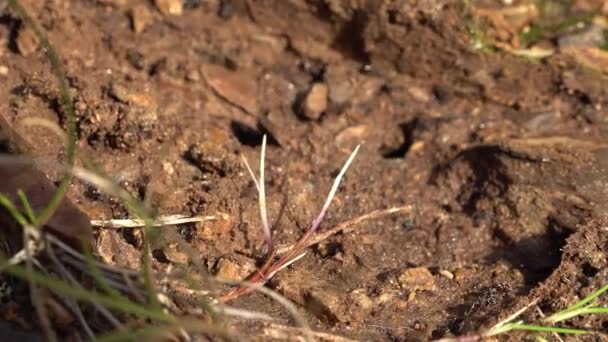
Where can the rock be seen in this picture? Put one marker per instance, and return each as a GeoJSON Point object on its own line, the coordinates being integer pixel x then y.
{"type": "Point", "coordinates": [328, 304]}
{"type": "Point", "coordinates": [113, 3]}
{"type": "Point", "coordinates": [322, 299]}
{"type": "Point", "coordinates": [3, 70]}
{"type": "Point", "coordinates": [226, 10]}
{"type": "Point", "coordinates": [125, 95]}
{"type": "Point", "coordinates": [136, 121]}
{"type": "Point", "coordinates": [136, 59]}
{"type": "Point", "coordinates": [237, 88]}
{"type": "Point", "coordinates": [145, 108]}
{"type": "Point", "coordinates": [141, 17]}
{"type": "Point", "coordinates": [315, 102]}
{"type": "Point", "coordinates": [212, 158]}
{"type": "Point", "coordinates": [193, 76]}
{"type": "Point", "coordinates": [170, 7]}
{"type": "Point", "coordinates": [27, 42]}
{"type": "Point", "coordinates": [417, 279]}
{"type": "Point", "coordinates": [341, 82]}
{"type": "Point", "coordinates": [447, 274]}
{"type": "Point", "coordinates": [363, 305]}
{"type": "Point", "coordinates": [234, 268]}
{"type": "Point", "coordinates": [352, 136]}
{"type": "Point", "coordinates": [594, 58]}
{"type": "Point", "coordinates": [419, 94]}
{"type": "Point", "coordinates": [340, 92]}
{"type": "Point", "coordinates": [367, 89]}
{"type": "Point", "coordinates": [173, 254]}
{"type": "Point", "coordinates": [591, 37]}
{"type": "Point", "coordinates": [114, 250]}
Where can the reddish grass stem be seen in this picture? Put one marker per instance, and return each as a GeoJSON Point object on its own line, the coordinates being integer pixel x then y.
{"type": "Point", "coordinates": [272, 266]}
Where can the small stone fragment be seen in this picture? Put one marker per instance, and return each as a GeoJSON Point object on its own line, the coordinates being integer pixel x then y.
{"type": "Point", "coordinates": [27, 42]}
{"type": "Point", "coordinates": [141, 17]}
{"type": "Point", "coordinates": [114, 3]}
{"type": "Point", "coordinates": [351, 136]}
{"type": "Point", "coordinates": [138, 120]}
{"type": "Point", "coordinates": [113, 249]}
{"type": "Point", "coordinates": [174, 255]}
{"type": "Point", "coordinates": [234, 268]}
{"type": "Point", "coordinates": [191, 3]}
{"type": "Point", "coordinates": [237, 88]}
{"type": "Point", "coordinates": [447, 274]}
{"type": "Point", "coordinates": [328, 304]}
{"type": "Point", "coordinates": [3, 70]}
{"type": "Point", "coordinates": [340, 92]}
{"type": "Point", "coordinates": [124, 95]}
{"type": "Point", "coordinates": [367, 89]}
{"type": "Point", "coordinates": [170, 7]}
{"type": "Point", "coordinates": [193, 76]}
{"type": "Point", "coordinates": [417, 279]}
{"type": "Point", "coordinates": [363, 305]}
{"type": "Point", "coordinates": [315, 102]}
{"type": "Point", "coordinates": [136, 59]}
{"type": "Point", "coordinates": [212, 158]}
{"type": "Point", "coordinates": [226, 9]}
{"type": "Point", "coordinates": [419, 94]}
{"type": "Point", "coordinates": [591, 37]}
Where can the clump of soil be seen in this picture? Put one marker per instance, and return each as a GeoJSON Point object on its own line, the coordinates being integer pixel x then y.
{"type": "Point", "coordinates": [503, 160]}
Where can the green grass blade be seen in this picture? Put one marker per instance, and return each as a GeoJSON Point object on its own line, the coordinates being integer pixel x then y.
{"type": "Point", "coordinates": [158, 332]}
{"type": "Point", "coordinates": [589, 298]}
{"type": "Point", "coordinates": [67, 103]}
{"type": "Point", "coordinates": [29, 211]}
{"type": "Point", "coordinates": [12, 209]}
{"type": "Point", "coordinates": [98, 277]}
{"type": "Point", "coordinates": [595, 310]}
{"type": "Point", "coordinates": [84, 295]}
{"type": "Point", "coordinates": [540, 328]}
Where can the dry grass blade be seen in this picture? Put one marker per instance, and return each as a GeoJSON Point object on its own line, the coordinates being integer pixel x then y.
{"type": "Point", "coordinates": [284, 333]}
{"type": "Point", "coordinates": [284, 302]}
{"type": "Point", "coordinates": [169, 220]}
{"type": "Point", "coordinates": [332, 192]}
{"type": "Point", "coordinates": [347, 226]}
{"type": "Point", "coordinates": [260, 186]}
{"type": "Point", "coordinates": [262, 193]}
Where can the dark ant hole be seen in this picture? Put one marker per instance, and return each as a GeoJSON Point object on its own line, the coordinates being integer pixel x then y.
{"type": "Point", "coordinates": [250, 136]}
{"type": "Point", "coordinates": [407, 129]}
{"type": "Point", "coordinates": [589, 271]}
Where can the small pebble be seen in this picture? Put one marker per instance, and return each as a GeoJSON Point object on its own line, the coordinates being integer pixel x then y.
{"type": "Point", "coordinates": [235, 270]}
{"type": "Point", "coordinates": [191, 3]}
{"type": "Point", "coordinates": [416, 279]}
{"type": "Point", "coordinates": [226, 9]}
{"type": "Point", "coordinates": [315, 102]}
{"type": "Point", "coordinates": [136, 59]}
{"type": "Point", "coordinates": [141, 17]}
{"type": "Point", "coordinates": [447, 274]}
{"type": "Point", "coordinates": [3, 70]}
{"type": "Point", "coordinates": [170, 7]}
{"type": "Point", "coordinates": [27, 42]}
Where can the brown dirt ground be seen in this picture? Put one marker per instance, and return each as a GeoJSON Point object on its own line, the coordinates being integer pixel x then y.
{"type": "Point", "coordinates": [503, 160]}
